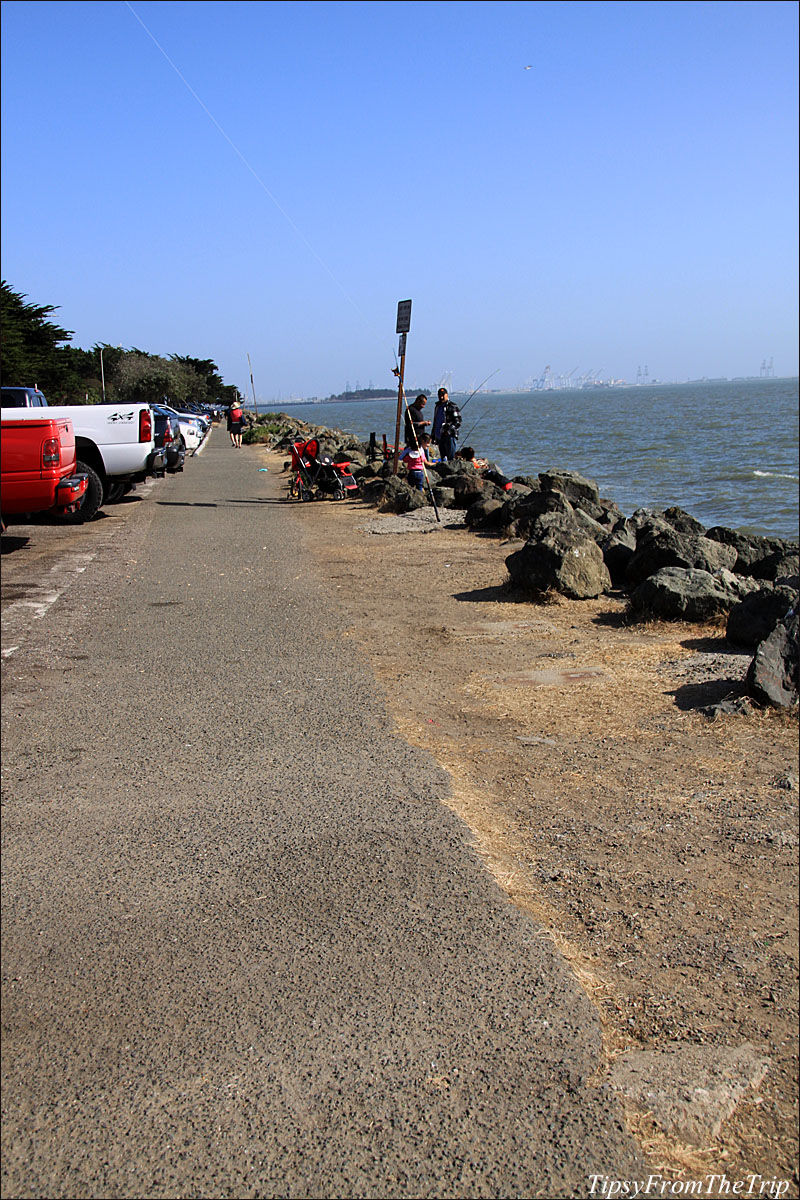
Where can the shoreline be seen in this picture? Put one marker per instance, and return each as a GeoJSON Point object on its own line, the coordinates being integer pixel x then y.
{"type": "Point", "coordinates": [657, 453]}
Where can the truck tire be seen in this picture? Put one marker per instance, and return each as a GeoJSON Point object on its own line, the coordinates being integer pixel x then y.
{"type": "Point", "coordinates": [90, 501]}
{"type": "Point", "coordinates": [113, 491]}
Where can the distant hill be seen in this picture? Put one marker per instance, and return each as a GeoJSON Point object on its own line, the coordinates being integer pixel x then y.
{"type": "Point", "coordinates": [371, 394]}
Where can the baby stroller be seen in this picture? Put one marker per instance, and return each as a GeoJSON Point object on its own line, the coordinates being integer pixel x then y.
{"type": "Point", "coordinates": [316, 475]}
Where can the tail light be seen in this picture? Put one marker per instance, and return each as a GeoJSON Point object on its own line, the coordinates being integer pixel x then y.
{"type": "Point", "coordinates": [51, 453]}
{"type": "Point", "coordinates": [145, 425]}
{"type": "Point", "coordinates": [168, 434]}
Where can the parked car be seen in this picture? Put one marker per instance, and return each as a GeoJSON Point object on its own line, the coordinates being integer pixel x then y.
{"type": "Point", "coordinates": [193, 429]}
{"type": "Point", "coordinates": [113, 442]}
{"type": "Point", "coordinates": [193, 410]}
{"type": "Point", "coordinates": [167, 433]}
{"type": "Point", "coordinates": [37, 466]}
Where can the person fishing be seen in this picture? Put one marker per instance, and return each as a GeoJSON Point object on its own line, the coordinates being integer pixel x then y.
{"type": "Point", "coordinates": [446, 424]}
{"type": "Point", "coordinates": [415, 422]}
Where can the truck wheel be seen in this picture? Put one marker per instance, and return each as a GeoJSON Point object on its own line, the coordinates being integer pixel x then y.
{"type": "Point", "coordinates": [91, 499]}
{"type": "Point", "coordinates": [113, 491]}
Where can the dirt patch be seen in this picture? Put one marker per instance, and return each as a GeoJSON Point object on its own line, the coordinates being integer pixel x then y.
{"type": "Point", "coordinates": [657, 848]}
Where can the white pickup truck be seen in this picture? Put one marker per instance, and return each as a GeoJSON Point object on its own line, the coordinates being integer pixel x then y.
{"type": "Point", "coordinates": [114, 443]}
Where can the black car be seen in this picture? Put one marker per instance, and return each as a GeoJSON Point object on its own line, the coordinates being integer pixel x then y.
{"type": "Point", "coordinates": [167, 436]}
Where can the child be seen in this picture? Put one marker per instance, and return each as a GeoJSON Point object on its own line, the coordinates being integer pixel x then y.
{"type": "Point", "coordinates": [415, 459]}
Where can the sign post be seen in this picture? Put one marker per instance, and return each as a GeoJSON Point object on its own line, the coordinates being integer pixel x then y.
{"type": "Point", "coordinates": [403, 326]}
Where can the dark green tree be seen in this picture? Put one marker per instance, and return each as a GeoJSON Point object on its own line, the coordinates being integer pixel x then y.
{"type": "Point", "coordinates": [31, 344]}
{"type": "Point", "coordinates": [35, 351]}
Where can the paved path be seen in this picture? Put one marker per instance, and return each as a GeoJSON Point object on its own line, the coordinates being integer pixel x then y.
{"type": "Point", "coordinates": [247, 950]}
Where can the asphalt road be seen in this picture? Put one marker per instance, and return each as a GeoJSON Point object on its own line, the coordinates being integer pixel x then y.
{"type": "Point", "coordinates": [247, 951]}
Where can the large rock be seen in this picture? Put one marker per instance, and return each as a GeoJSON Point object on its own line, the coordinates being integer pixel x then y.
{"type": "Point", "coordinates": [669, 548]}
{"type": "Point", "coordinates": [772, 675]}
{"type": "Point", "coordinates": [783, 564]}
{"type": "Point", "coordinates": [599, 533]}
{"type": "Point", "coordinates": [565, 561]}
{"type": "Point", "coordinates": [373, 490]}
{"type": "Point", "coordinates": [407, 499]}
{"type": "Point", "coordinates": [755, 555]}
{"type": "Point", "coordinates": [532, 482]}
{"type": "Point", "coordinates": [445, 497]}
{"type": "Point", "coordinates": [356, 457]}
{"type": "Point", "coordinates": [618, 551]}
{"type": "Point", "coordinates": [576, 488]}
{"type": "Point", "coordinates": [644, 523]}
{"type": "Point", "coordinates": [485, 513]}
{"type": "Point", "coordinates": [685, 594]}
{"type": "Point", "coordinates": [520, 515]}
{"type": "Point", "coordinates": [683, 521]}
{"type": "Point", "coordinates": [467, 488]}
{"type": "Point", "coordinates": [754, 618]}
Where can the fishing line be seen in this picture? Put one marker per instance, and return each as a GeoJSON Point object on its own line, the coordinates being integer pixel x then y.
{"type": "Point", "coordinates": [478, 388]}
{"type": "Point", "coordinates": [249, 167]}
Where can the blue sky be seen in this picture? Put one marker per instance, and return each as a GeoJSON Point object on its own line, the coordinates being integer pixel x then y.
{"type": "Point", "coordinates": [298, 168]}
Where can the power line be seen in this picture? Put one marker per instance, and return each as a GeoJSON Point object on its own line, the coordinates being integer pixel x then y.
{"type": "Point", "coordinates": [248, 165]}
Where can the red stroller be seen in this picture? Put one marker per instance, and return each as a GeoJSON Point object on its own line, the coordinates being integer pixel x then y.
{"type": "Point", "coordinates": [316, 475]}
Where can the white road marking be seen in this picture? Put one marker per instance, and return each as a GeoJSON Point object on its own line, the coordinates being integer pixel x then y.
{"type": "Point", "coordinates": [18, 615]}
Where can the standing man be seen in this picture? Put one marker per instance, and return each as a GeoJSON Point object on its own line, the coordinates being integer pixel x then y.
{"type": "Point", "coordinates": [446, 424]}
{"type": "Point", "coordinates": [415, 422]}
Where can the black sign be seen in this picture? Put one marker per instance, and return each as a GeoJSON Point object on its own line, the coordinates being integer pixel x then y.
{"type": "Point", "coordinates": [403, 316]}
{"type": "Point", "coordinates": [401, 349]}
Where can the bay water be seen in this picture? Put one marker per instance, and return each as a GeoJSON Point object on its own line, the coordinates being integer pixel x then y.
{"type": "Point", "coordinates": [725, 451]}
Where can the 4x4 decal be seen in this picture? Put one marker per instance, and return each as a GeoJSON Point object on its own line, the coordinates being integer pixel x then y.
{"type": "Point", "coordinates": [118, 416]}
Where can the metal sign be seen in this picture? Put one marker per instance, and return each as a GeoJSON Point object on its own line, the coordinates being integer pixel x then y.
{"type": "Point", "coordinates": [401, 348]}
{"type": "Point", "coordinates": [403, 316]}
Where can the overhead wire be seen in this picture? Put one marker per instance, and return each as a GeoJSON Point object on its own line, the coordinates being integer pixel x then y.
{"type": "Point", "coordinates": [311, 249]}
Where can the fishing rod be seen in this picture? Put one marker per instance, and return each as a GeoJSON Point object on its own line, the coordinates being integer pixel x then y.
{"type": "Point", "coordinates": [465, 437]}
{"type": "Point", "coordinates": [472, 428]}
{"type": "Point", "coordinates": [477, 389]}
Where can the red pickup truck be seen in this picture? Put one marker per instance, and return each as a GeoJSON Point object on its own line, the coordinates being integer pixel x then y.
{"type": "Point", "coordinates": [37, 466]}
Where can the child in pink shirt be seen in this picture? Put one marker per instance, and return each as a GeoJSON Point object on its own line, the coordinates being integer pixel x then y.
{"type": "Point", "coordinates": [415, 458]}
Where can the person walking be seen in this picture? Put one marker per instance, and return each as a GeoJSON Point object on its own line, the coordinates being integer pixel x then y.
{"type": "Point", "coordinates": [415, 422]}
{"type": "Point", "coordinates": [446, 424]}
{"type": "Point", "coordinates": [415, 458]}
{"type": "Point", "coordinates": [235, 421]}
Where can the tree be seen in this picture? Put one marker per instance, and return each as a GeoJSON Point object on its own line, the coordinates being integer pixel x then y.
{"type": "Point", "coordinates": [30, 342]}
{"type": "Point", "coordinates": [34, 352]}
{"type": "Point", "coordinates": [142, 378]}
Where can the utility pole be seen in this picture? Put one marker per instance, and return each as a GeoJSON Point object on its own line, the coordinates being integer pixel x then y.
{"type": "Point", "coordinates": [403, 326]}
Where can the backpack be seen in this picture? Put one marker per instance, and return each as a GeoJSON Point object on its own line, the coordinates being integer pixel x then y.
{"type": "Point", "coordinates": [236, 414]}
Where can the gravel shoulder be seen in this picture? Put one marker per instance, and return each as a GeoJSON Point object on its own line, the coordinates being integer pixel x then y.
{"type": "Point", "coordinates": [656, 847]}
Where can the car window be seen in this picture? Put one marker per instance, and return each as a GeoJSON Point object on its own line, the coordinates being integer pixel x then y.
{"type": "Point", "coordinates": [14, 398]}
